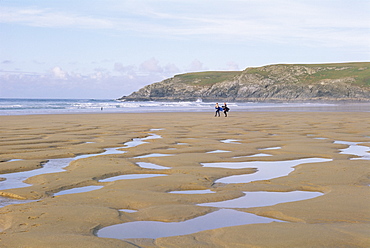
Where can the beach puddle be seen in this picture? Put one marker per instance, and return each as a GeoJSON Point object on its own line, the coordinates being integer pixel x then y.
{"type": "Point", "coordinates": [15, 180]}
{"type": "Point", "coordinates": [157, 229]}
{"type": "Point", "coordinates": [78, 190]}
{"type": "Point", "coordinates": [13, 160]}
{"type": "Point", "coordinates": [230, 141]}
{"type": "Point", "coordinates": [128, 210]}
{"type": "Point", "coordinates": [354, 149]}
{"type": "Point", "coordinates": [131, 176]}
{"type": "Point", "coordinates": [205, 191]}
{"type": "Point", "coordinates": [270, 148]}
{"type": "Point", "coordinates": [263, 198]}
{"type": "Point", "coordinates": [152, 166]}
{"type": "Point", "coordinates": [152, 155]}
{"type": "Point", "coordinates": [265, 169]}
{"type": "Point", "coordinates": [8, 201]}
{"type": "Point", "coordinates": [139, 141]}
{"type": "Point", "coordinates": [255, 155]}
{"type": "Point", "coordinates": [217, 151]}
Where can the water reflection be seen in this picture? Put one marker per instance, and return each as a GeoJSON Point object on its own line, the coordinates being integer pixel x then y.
{"type": "Point", "coordinates": [230, 141]}
{"type": "Point", "coordinates": [130, 176]}
{"type": "Point", "coordinates": [152, 155]}
{"type": "Point", "coordinates": [354, 149]}
{"type": "Point", "coordinates": [78, 190]}
{"type": "Point", "coordinates": [218, 151]}
{"type": "Point", "coordinates": [204, 191]}
{"type": "Point", "coordinates": [263, 198]}
{"type": "Point", "coordinates": [156, 229]}
{"type": "Point", "coordinates": [265, 169]}
{"type": "Point", "coordinates": [152, 166]}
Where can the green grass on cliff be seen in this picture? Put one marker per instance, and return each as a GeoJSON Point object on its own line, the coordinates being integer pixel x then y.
{"type": "Point", "coordinates": [207, 78]}
{"type": "Point", "coordinates": [358, 70]}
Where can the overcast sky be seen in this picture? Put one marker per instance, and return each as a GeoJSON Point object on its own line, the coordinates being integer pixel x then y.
{"type": "Point", "coordinates": [110, 48]}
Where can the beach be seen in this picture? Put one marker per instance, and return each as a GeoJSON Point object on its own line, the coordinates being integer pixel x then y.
{"type": "Point", "coordinates": [186, 146]}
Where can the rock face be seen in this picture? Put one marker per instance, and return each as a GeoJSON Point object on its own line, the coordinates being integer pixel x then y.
{"type": "Point", "coordinates": [326, 82]}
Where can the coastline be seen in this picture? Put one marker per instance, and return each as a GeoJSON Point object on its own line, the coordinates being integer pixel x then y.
{"type": "Point", "coordinates": [338, 218]}
{"type": "Point", "coordinates": [95, 106]}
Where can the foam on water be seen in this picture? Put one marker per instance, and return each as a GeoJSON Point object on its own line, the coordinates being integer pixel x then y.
{"type": "Point", "coordinates": [55, 106]}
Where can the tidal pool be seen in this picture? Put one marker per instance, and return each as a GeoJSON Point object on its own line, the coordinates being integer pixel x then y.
{"type": "Point", "coordinates": [354, 149]}
{"type": "Point", "coordinates": [270, 148]}
{"type": "Point", "coordinates": [204, 191]}
{"type": "Point", "coordinates": [265, 169]}
{"type": "Point", "coordinates": [128, 210]}
{"type": "Point", "coordinates": [15, 180]}
{"type": "Point", "coordinates": [157, 229]}
{"type": "Point", "coordinates": [263, 198]}
{"type": "Point", "coordinates": [152, 166]}
{"type": "Point", "coordinates": [152, 155]}
{"type": "Point", "coordinates": [139, 141]}
{"type": "Point", "coordinates": [217, 151]}
{"type": "Point", "coordinates": [255, 155]}
{"type": "Point", "coordinates": [131, 176]}
{"type": "Point", "coordinates": [78, 190]}
{"type": "Point", "coordinates": [8, 201]}
{"type": "Point", "coordinates": [230, 141]}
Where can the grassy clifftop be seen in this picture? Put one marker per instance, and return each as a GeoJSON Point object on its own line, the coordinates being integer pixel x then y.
{"type": "Point", "coordinates": [281, 82]}
{"type": "Point", "coordinates": [311, 73]}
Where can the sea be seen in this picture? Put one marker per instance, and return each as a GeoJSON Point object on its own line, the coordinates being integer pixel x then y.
{"type": "Point", "coordinates": [16, 106]}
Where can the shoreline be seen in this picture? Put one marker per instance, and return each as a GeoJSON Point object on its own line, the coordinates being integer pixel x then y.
{"type": "Point", "coordinates": [67, 220]}
{"type": "Point", "coordinates": [78, 106]}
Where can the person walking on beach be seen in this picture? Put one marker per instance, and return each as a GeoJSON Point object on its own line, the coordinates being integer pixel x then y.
{"type": "Point", "coordinates": [226, 109]}
{"type": "Point", "coordinates": [218, 109]}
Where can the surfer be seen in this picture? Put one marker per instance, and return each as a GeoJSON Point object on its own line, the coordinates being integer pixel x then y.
{"type": "Point", "coordinates": [218, 109]}
{"type": "Point", "coordinates": [226, 109]}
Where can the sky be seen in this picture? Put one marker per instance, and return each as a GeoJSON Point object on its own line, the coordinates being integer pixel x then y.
{"type": "Point", "coordinates": [105, 49]}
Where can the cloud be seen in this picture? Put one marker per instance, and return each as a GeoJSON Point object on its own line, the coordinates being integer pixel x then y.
{"type": "Point", "coordinates": [6, 62]}
{"type": "Point", "coordinates": [232, 66]}
{"type": "Point", "coordinates": [196, 65]}
{"type": "Point", "coordinates": [171, 69]}
{"type": "Point", "coordinates": [317, 23]}
{"type": "Point", "coordinates": [49, 18]}
{"type": "Point", "coordinates": [58, 73]}
{"type": "Point", "coordinates": [151, 66]}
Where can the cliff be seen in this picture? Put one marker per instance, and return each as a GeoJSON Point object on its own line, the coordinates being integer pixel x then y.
{"type": "Point", "coordinates": [285, 82]}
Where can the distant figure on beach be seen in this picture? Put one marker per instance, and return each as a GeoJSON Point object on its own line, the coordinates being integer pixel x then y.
{"type": "Point", "coordinates": [101, 108]}
{"type": "Point", "coordinates": [218, 109]}
{"type": "Point", "coordinates": [226, 109]}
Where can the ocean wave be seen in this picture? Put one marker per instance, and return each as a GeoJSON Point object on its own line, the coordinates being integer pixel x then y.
{"type": "Point", "coordinates": [51, 106]}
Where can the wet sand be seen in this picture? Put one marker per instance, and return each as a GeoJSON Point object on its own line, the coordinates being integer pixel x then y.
{"type": "Point", "coordinates": [339, 218]}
